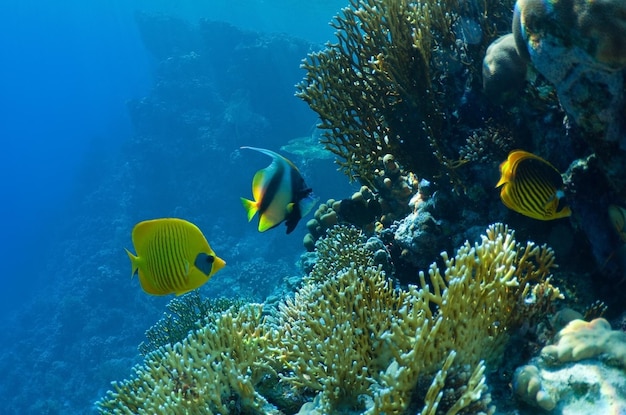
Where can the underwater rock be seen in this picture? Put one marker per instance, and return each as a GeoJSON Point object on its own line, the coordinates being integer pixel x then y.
{"type": "Point", "coordinates": [582, 388]}
{"type": "Point", "coordinates": [580, 47]}
{"type": "Point", "coordinates": [504, 70]}
{"type": "Point", "coordinates": [582, 373]}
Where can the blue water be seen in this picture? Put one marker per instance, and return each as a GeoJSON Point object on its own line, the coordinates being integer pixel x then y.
{"type": "Point", "coordinates": [70, 72]}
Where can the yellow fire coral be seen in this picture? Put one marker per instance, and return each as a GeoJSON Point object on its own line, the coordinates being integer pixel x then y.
{"type": "Point", "coordinates": [213, 369]}
{"type": "Point", "coordinates": [379, 341]}
{"type": "Point", "coordinates": [356, 341]}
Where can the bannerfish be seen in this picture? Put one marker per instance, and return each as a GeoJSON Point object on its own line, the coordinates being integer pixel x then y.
{"type": "Point", "coordinates": [532, 186]}
{"type": "Point", "coordinates": [173, 256]}
{"type": "Point", "coordinates": [280, 194]}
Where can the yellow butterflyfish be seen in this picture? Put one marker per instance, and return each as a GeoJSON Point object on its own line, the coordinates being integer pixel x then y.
{"type": "Point", "coordinates": [532, 186]}
{"type": "Point", "coordinates": [173, 256]}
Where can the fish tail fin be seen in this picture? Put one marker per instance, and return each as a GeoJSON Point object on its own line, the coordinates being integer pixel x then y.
{"type": "Point", "coordinates": [134, 263]}
{"type": "Point", "coordinates": [250, 207]}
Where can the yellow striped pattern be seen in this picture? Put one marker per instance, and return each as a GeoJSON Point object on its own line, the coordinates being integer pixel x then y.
{"type": "Point", "coordinates": [531, 186]}
{"type": "Point", "coordinates": [168, 258]}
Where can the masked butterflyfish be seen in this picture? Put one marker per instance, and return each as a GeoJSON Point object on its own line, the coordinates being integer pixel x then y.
{"type": "Point", "coordinates": [532, 186]}
{"type": "Point", "coordinates": [173, 256]}
{"type": "Point", "coordinates": [280, 194]}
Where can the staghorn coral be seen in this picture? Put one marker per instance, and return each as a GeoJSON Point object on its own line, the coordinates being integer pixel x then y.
{"type": "Point", "coordinates": [393, 81]}
{"type": "Point", "coordinates": [379, 342]}
{"type": "Point", "coordinates": [213, 370]}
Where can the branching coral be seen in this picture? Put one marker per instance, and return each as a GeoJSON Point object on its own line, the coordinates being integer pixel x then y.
{"type": "Point", "coordinates": [211, 370]}
{"type": "Point", "coordinates": [343, 247]}
{"type": "Point", "coordinates": [186, 313]}
{"type": "Point", "coordinates": [393, 80]}
{"type": "Point", "coordinates": [354, 338]}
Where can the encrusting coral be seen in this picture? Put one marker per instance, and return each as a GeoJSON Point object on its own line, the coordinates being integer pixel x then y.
{"type": "Point", "coordinates": [355, 340]}
{"type": "Point", "coordinates": [582, 340]}
{"type": "Point", "coordinates": [582, 372]}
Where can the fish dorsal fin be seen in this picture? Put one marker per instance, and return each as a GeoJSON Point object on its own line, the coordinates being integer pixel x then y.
{"type": "Point", "coordinates": [142, 233]}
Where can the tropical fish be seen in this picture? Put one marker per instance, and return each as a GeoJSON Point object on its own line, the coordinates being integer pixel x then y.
{"type": "Point", "coordinates": [173, 256]}
{"type": "Point", "coordinates": [617, 214]}
{"type": "Point", "coordinates": [280, 194]}
{"type": "Point", "coordinates": [532, 186]}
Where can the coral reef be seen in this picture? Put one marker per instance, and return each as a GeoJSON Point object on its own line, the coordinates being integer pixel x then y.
{"type": "Point", "coordinates": [356, 341]}
{"type": "Point", "coordinates": [394, 81]}
{"type": "Point", "coordinates": [185, 314]}
{"type": "Point", "coordinates": [213, 370]}
{"type": "Point", "coordinates": [582, 372]}
{"type": "Point", "coordinates": [374, 332]}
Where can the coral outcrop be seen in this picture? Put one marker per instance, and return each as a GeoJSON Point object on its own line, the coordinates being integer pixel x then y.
{"type": "Point", "coordinates": [357, 342]}
{"type": "Point", "coordinates": [583, 372]}
{"type": "Point", "coordinates": [504, 70]}
{"type": "Point", "coordinates": [580, 47]}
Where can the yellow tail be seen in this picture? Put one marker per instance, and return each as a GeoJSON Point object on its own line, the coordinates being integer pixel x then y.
{"type": "Point", "coordinates": [250, 207]}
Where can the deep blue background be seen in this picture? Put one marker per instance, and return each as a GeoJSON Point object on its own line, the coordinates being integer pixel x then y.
{"type": "Point", "coordinates": [68, 71]}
